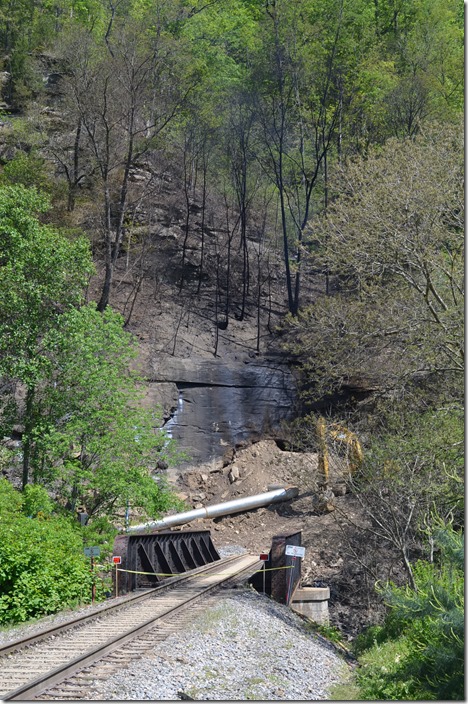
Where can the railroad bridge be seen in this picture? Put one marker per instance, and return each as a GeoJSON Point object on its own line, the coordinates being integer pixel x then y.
{"type": "Point", "coordinates": [150, 553]}
{"type": "Point", "coordinates": [148, 559]}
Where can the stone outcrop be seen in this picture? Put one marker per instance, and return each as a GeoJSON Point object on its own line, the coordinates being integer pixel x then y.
{"type": "Point", "coordinates": [223, 402]}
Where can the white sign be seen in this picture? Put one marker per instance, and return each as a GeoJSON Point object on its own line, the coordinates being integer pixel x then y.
{"type": "Point", "coordinates": [295, 550]}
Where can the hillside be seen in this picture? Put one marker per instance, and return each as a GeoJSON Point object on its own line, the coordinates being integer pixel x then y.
{"type": "Point", "coordinates": [232, 256]}
{"type": "Point", "coordinates": [259, 460]}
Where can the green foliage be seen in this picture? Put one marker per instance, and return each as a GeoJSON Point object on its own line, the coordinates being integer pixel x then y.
{"type": "Point", "coordinates": [331, 633]}
{"type": "Point", "coordinates": [393, 243]}
{"type": "Point", "coordinates": [102, 532]}
{"type": "Point", "coordinates": [88, 431]}
{"type": "Point", "coordinates": [27, 170]}
{"type": "Point", "coordinates": [431, 440]}
{"type": "Point", "coordinates": [41, 274]}
{"type": "Point", "coordinates": [10, 500]}
{"type": "Point", "coordinates": [418, 653]}
{"type": "Point", "coordinates": [36, 502]}
{"type": "Point", "coordinates": [24, 80]}
{"type": "Point", "coordinates": [42, 566]}
{"type": "Point", "coordinates": [222, 38]}
{"type": "Point", "coordinates": [83, 427]}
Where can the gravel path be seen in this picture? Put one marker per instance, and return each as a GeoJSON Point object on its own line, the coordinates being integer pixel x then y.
{"type": "Point", "coordinates": [244, 647]}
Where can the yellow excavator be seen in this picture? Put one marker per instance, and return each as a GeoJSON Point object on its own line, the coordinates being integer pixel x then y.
{"type": "Point", "coordinates": [337, 433]}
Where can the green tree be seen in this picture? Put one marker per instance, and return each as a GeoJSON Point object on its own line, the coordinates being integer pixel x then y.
{"type": "Point", "coordinates": [394, 242]}
{"type": "Point", "coordinates": [91, 438]}
{"type": "Point", "coordinates": [28, 27]}
{"type": "Point", "coordinates": [412, 465]}
{"type": "Point", "coordinates": [66, 376]}
{"type": "Point", "coordinates": [424, 42]}
{"type": "Point", "coordinates": [27, 170]}
{"type": "Point", "coordinates": [42, 274]}
{"type": "Point", "coordinates": [224, 38]}
{"type": "Point", "coordinates": [306, 77]}
{"type": "Point", "coordinates": [42, 566]}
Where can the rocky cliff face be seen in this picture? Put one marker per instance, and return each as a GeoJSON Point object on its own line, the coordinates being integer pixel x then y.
{"type": "Point", "coordinates": [219, 403]}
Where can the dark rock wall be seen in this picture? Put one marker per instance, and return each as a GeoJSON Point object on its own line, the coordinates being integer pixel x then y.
{"type": "Point", "coordinates": [223, 402]}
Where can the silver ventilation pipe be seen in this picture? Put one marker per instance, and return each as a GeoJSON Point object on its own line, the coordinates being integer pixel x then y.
{"type": "Point", "coordinates": [224, 509]}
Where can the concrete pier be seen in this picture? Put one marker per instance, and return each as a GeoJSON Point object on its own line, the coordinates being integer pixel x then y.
{"type": "Point", "coordinates": [313, 603]}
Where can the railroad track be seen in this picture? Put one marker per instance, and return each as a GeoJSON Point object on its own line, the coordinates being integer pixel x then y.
{"type": "Point", "coordinates": [31, 667]}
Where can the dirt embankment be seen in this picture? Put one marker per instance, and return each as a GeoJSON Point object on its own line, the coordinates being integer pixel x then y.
{"type": "Point", "coordinates": [328, 561]}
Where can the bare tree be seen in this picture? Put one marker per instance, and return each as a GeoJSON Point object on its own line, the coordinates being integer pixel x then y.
{"type": "Point", "coordinates": [121, 102]}
{"type": "Point", "coordinates": [240, 155]}
{"type": "Point", "coordinates": [299, 118]}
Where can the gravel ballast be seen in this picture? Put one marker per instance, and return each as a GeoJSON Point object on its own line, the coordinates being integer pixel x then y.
{"type": "Point", "coordinates": [243, 647]}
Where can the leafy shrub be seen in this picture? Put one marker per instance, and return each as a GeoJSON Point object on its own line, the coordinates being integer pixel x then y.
{"type": "Point", "coordinates": [42, 565]}
{"type": "Point", "coordinates": [36, 501]}
{"type": "Point", "coordinates": [418, 653]}
{"type": "Point", "coordinates": [27, 170]}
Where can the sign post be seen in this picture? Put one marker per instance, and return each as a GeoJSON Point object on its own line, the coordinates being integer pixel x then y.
{"type": "Point", "coordinates": [116, 560]}
{"type": "Point", "coordinates": [294, 551]}
{"type": "Point", "coordinates": [92, 553]}
{"type": "Point", "coordinates": [288, 598]}
{"type": "Point", "coordinates": [93, 585]}
{"type": "Point", "coordinates": [264, 558]}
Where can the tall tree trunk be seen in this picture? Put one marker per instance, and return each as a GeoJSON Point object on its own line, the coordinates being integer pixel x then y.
{"type": "Point", "coordinates": [242, 198]}
{"type": "Point", "coordinates": [287, 264]}
{"type": "Point", "coordinates": [27, 440]}
{"type": "Point", "coordinates": [105, 292]}
{"type": "Point", "coordinates": [202, 245]}
{"type": "Point", "coordinates": [215, 352]}
{"type": "Point", "coordinates": [76, 165]}
{"type": "Point", "coordinates": [228, 267]}
{"type": "Point", "coordinates": [188, 165]}
{"type": "Point", "coordinates": [113, 242]}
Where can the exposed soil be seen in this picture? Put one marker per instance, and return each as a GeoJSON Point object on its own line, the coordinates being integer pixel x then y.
{"type": "Point", "coordinates": [262, 466]}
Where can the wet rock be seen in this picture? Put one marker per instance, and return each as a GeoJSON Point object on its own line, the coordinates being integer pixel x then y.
{"type": "Point", "coordinates": [225, 402]}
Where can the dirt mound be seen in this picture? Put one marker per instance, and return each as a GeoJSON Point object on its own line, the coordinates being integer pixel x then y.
{"type": "Point", "coordinates": [255, 468]}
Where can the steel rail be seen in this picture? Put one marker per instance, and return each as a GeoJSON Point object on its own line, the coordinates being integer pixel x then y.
{"type": "Point", "coordinates": [47, 680]}
{"type": "Point", "coordinates": [122, 603]}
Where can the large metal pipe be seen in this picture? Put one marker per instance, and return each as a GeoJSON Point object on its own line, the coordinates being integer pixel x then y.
{"type": "Point", "coordinates": [223, 509]}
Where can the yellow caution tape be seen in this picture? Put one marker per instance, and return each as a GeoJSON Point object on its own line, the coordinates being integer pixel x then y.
{"type": "Point", "coordinates": [217, 574]}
